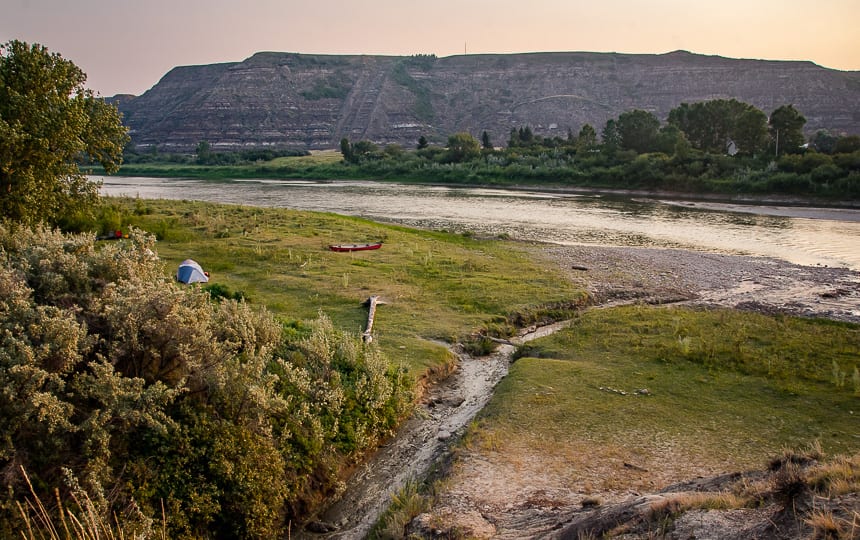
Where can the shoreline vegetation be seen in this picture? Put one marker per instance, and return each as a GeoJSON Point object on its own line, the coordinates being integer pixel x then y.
{"type": "Point", "coordinates": [440, 288]}
{"type": "Point", "coordinates": [718, 148]}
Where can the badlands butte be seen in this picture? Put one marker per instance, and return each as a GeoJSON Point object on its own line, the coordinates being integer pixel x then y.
{"type": "Point", "coordinates": [304, 101]}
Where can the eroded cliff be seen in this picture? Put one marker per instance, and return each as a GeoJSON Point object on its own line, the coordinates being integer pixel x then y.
{"type": "Point", "coordinates": [312, 101]}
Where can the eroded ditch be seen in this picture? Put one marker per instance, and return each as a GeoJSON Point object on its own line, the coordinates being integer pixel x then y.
{"type": "Point", "coordinates": [424, 439]}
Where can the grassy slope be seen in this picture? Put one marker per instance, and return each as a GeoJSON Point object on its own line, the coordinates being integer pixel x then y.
{"type": "Point", "coordinates": [728, 390]}
{"type": "Point", "coordinates": [437, 286]}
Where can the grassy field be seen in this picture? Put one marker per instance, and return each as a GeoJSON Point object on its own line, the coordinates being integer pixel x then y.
{"type": "Point", "coordinates": [725, 389]}
{"type": "Point", "coordinates": [717, 391]}
{"type": "Point", "coordinates": [437, 286]}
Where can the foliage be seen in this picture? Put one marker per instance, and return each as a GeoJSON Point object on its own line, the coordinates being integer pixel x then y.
{"type": "Point", "coordinates": [637, 130]}
{"type": "Point", "coordinates": [150, 393]}
{"type": "Point", "coordinates": [718, 146]}
{"type": "Point", "coordinates": [786, 130]}
{"type": "Point", "coordinates": [587, 139]}
{"type": "Point", "coordinates": [710, 125]}
{"type": "Point", "coordinates": [462, 147]}
{"type": "Point", "coordinates": [48, 123]}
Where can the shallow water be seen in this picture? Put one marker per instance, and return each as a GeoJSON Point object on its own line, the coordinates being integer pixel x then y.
{"type": "Point", "coordinates": [809, 236]}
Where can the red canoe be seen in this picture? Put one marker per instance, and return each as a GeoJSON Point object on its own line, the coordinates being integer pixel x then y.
{"type": "Point", "coordinates": [355, 247]}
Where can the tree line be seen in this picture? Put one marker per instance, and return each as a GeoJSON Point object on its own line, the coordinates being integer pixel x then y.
{"type": "Point", "coordinates": [721, 145]}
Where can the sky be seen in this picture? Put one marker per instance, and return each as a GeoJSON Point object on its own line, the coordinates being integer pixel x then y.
{"type": "Point", "coordinates": [126, 46]}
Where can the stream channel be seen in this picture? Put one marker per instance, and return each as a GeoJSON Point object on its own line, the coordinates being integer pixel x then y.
{"type": "Point", "coordinates": [421, 442]}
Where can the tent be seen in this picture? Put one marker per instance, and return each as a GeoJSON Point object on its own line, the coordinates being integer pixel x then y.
{"type": "Point", "coordinates": [191, 272]}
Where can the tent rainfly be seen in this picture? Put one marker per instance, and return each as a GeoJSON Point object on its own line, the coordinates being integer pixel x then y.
{"type": "Point", "coordinates": [191, 272]}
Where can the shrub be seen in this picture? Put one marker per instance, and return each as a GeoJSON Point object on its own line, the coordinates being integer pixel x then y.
{"type": "Point", "coordinates": [150, 393]}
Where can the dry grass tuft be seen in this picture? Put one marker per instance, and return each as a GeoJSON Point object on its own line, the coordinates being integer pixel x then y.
{"type": "Point", "coordinates": [85, 522]}
{"type": "Point", "coordinates": [826, 525]}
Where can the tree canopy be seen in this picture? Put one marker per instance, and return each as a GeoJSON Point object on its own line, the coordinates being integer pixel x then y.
{"type": "Point", "coordinates": [711, 125]}
{"type": "Point", "coordinates": [786, 129]}
{"type": "Point", "coordinates": [49, 123]}
{"type": "Point", "coordinates": [462, 147]}
{"type": "Point", "coordinates": [637, 130]}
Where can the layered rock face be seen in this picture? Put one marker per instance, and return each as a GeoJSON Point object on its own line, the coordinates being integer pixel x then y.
{"type": "Point", "coordinates": [312, 101]}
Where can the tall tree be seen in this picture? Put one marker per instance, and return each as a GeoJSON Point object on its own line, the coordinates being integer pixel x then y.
{"type": "Point", "coordinates": [786, 130]}
{"type": "Point", "coordinates": [824, 141]}
{"type": "Point", "coordinates": [462, 147]}
{"type": "Point", "coordinates": [710, 125]}
{"type": "Point", "coordinates": [749, 129]}
{"type": "Point", "coordinates": [204, 152]}
{"type": "Point", "coordinates": [48, 123]}
{"type": "Point", "coordinates": [485, 141]}
{"type": "Point", "coordinates": [587, 139]}
{"type": "Point", "coordinates": [610, 137]}
{"type": "Point", "coordinates": [346, 150]}
{"type": "Point", "coordinates": [637, 130]}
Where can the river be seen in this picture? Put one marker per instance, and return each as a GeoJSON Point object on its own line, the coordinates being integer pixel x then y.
{"type": "Point", "coordinates": [801, 235]}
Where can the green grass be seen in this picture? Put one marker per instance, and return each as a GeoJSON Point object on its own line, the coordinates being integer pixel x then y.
{"type": "Point", "coordinates": [726, 389]}
{"type": "Point", "coordinates": [323, 157]}
{"type": "Point", "coordinates": [437, 286]}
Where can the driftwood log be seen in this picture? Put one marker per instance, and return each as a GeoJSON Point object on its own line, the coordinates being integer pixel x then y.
{"type": "Point", "coordinates": [371, 304]}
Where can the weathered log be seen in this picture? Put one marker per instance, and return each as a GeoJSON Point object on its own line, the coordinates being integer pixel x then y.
{"type": "Point", "coordinates": [371, 303]}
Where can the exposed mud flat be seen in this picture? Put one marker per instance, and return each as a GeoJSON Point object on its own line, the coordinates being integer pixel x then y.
{"type": "Point", "coordinates": [528, 500]}
{"type": "Point", "coordinates": [672, 275]}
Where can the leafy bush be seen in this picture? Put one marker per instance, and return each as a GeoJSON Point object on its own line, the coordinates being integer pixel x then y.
{"type": "Point", "coordinates": [149, 393]}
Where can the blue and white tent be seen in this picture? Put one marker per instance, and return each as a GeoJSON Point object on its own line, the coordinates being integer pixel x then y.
{"type": "Point", "coordinates": [191, 272]}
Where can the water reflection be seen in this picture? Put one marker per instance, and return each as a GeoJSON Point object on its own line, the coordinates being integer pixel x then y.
{"type": "Point", "coordinates": [786, 233]}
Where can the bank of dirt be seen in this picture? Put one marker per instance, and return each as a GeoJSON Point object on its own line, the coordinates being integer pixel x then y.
{"type": "Point", "coordinates": [527, 494]}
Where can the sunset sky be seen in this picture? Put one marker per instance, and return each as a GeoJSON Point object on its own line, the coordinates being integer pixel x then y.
{"type": "Point", "coordinates": [126, 46]}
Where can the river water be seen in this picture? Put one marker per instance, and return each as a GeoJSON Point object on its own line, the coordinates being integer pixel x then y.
{"type": "Point", "coordinates": [809, 236]}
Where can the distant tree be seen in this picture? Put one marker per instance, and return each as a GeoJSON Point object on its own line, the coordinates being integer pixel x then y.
{"type": "Point", "coordinates": [637, 130]}
{"type": "Point", "coordinates": [486, 144]}
{"type": "Point", "coordinates": [422, 142]}
{"type": "Point", "coordinates": [526, 136]}
{"type": "Point", "coordinates": [749, 129]}
{"type": "Point", "coordinates": [393, 150]}
{"type": "Point", "coordinates": [462, 147]}
{"type": "Point", "coordinates": [710, 125]}
{"type": "Point", "coordinates": [48, 123]}
{"type": "Point", "coordinates": [587, 139]}
{"type": "Point", "coordinates": [786, 130]}
{"type": "Point", "coordinates": [514, 138]}
{"type": "Point", "coordinates": [203, 151]}
{"type": "Point", "coordinates": [847, 145]}
{"type": "Point", "coordinates": [610, 137]}
{"type": "Point", "coordinates": [364, 150]}
{"type": "Point", "coordinates": [824, 141]}
{"type": "Point", "coordinates": [346, 150]}
{"type": "Point", "coordinates": [668, 139]}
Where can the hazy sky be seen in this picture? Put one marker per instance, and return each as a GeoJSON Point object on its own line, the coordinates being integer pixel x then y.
{"type": "Point", "coordinates": [126, 46]}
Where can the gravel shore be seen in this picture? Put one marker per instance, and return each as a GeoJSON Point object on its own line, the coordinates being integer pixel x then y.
{"type": "Point", "coordinates": [660, 276]}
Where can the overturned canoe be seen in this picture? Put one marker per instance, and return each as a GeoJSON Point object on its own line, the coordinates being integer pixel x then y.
{"type": "Point", "coordinates": [355, 247]}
